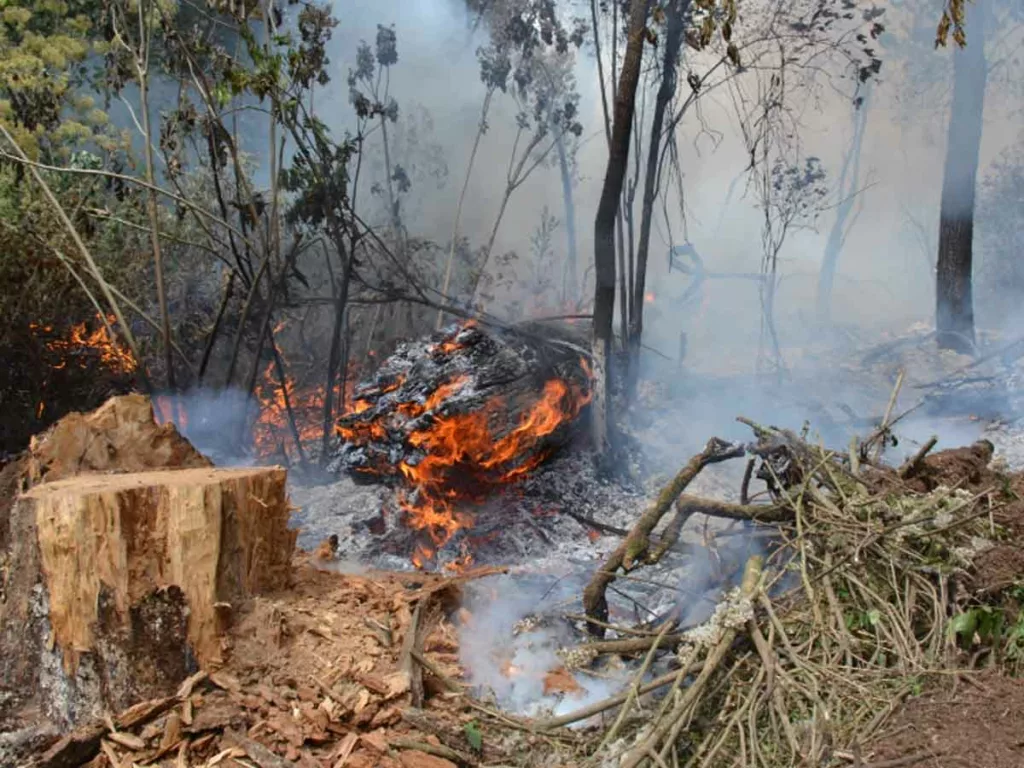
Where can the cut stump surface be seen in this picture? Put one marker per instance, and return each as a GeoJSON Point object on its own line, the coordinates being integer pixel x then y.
{"type": "Point", "coordinates": [120, 585]}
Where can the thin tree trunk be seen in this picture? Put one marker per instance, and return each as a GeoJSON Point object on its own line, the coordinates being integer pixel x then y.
{"type": "Point", "coordinates": [334, 356]}
{"type": "Point", "coordinates": [954, 304]}
{"type": "Point", "coordinates": [849, 177]}
{"type": "Point", "coordinates": [604, 223]}
{"type": "Point", "coordinates": [620, 255]}
{"type": "Point", "coordinates": [481, 128]}
{"type": "Point", "coordinates": [570, 292]}
{"type": "Point", "coordinates": [142, 68]}
{"type": "Point", "coordinates": [215, 331]}
{"type": "Point", "coordinates": [673, 44]}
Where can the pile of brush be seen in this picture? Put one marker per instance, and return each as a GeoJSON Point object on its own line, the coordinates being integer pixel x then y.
{"type": "Point", "coordinates": [459, 394]}
{"type": "Point", "coordinates": [852, 609]}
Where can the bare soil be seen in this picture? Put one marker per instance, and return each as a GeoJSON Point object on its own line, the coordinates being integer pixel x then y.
{"type": "Point", "coordinates": [975, 722]}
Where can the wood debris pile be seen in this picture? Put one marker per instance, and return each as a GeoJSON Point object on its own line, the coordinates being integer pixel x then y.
{"type": "Point", "coordinates": [339, 670]}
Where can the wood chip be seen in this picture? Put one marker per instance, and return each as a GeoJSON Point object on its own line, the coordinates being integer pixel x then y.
{"type": "Point", "coordinates": [127, 740]}
{"type": "Point", "coordinates": [144, 712]}
{"type": "Point", "coordinates": [185, 690]}
{"type": "Point", "coordinates": [413, 758]}
{"type": "Point", "coordinates": [262, 756]}
{"type": "Point", "coordinates": [111, 754]}
{"type": "Point", "coordinates": [172, 731]}
{"type": "Point", "coordinates": [375, 741]}
{"type": "Point", "coordinates": [226, 681]}
{"type": "Point", "coordinates": [344, 750]}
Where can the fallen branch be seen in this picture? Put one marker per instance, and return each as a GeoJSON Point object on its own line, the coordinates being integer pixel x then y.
{"type": "Point", "coordinates": [613, 701]}
{"type": "Point", "coordinates": [912, 464]}
{"type": "Point", "coordinates": [628, 554]}
{"type": "Point", "coordinates": [664, 730]}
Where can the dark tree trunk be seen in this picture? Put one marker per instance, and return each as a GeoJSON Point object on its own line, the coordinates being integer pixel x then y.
{"type": "Point", "coordinates": [954, 303]}
{"type": "Point", "coordinates": [339, 341]}
{"type": "Point", "coordinates": [673, 42]}
{"type": "Point", "coordinates": [848, 179]}
{"type": "Point", "coordinates": [604, 223]}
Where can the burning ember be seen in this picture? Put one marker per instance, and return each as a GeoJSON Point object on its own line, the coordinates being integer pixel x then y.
{"type": "Point", "coordinates": [456, 417]}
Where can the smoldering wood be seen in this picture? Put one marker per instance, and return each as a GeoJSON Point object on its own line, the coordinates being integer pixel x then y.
{"type": "Point", "coordinates": [479, 364]}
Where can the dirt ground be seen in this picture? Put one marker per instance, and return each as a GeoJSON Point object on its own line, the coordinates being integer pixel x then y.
{"type": "Point", "coordinates": [975, 722]}
{"type": "Point", "coordinates": [975, 719]}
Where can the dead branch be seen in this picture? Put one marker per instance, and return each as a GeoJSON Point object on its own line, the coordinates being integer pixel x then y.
{"type": "Point", "coordinates": [628, 554]}
{"type": "Point", "coordinates": [758, 513]}
{"type": "Point", "coordinates": [613, 701]}
{"type": "Point", "coordinates": [911, 465]}
{"type": "Point", "coordinates": [665, 728]}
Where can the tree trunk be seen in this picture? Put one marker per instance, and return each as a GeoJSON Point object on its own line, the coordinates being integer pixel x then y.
{"type": "Point", "coordinates": [570, 292]}
{"type": "Point", "coordinates": [604, 223]}
{"type": "Point", "coordinates": [124, 583]}
{"type": "Point", "coordinates": [848, 179]}
{"type": "Point", "coordinates": [954, 304]}
{"type": "Point", "coordinates": [334, 356]}
{"type": "Point", "coordinates": [673, 43]}
{"type": "Point", "coordinates": [481, 127]}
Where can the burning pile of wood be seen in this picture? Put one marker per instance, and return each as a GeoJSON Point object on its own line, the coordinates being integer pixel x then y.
{"type": "Point", "coordinates": [461, 413]}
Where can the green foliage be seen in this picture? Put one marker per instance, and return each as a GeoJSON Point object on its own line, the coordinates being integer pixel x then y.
{"type": "Point", "coordinates": [44, 45]}
{"type": "Point", "coordinates": [474, 736]}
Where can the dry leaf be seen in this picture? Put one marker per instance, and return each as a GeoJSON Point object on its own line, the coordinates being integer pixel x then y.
{"type": "Point", "coordinates": [560, 681]}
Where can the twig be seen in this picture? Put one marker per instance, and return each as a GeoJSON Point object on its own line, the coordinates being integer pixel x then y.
{"type": "Point", "coordinates": [914, 461]}
{"type": "Point", "coordinates": [410, 646]}
{"type": "Point", "coordinates": [663, 729]}
{"type": "Point", "coordinates": [616, 700]}
{"type": "Point", "coordinates": [433, 669]}
{"type": "Point", "coordinates": [627, 554]}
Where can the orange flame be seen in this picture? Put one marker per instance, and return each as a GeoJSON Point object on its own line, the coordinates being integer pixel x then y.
{"type": "Point", "coordinates": [99, 343]}
{"type": "Point", "coordinates": [463, 454]}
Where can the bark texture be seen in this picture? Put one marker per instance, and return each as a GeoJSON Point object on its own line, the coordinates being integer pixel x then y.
{"type": "Point", "coordinates": [119, 585]}
{"type": "Point", "coordinates": [954, 301]}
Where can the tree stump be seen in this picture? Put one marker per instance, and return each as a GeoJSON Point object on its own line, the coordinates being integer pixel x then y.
{"type": "Point", "coordinates": [121, 585]}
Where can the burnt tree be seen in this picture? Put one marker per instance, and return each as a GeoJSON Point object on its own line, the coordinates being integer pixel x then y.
{"type": "Point", "coordinates": [954, 302]}
{"type": "Point", "coordinates": [678, 12]}
{"type": "Point", "coordinates": [604, 224]}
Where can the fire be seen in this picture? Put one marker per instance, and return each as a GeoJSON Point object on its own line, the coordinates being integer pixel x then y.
{"type": "Point", "coordinates": [649, 297]}
{"type": "Point", "coordinates": [81, 342]}
{"type": "Point", "coordinates": [462, 455]}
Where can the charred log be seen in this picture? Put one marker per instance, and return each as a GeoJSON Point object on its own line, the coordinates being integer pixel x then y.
{"type": "Point", "coordinates": [453, 416]}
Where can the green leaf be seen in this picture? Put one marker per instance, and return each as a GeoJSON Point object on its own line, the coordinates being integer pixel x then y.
{"type": "Point", "coordinates": [873, 616]}
{"type": "Point", "coordinates": [474, 736]}
{"type": "Point", "coordinates": [964, 624]}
